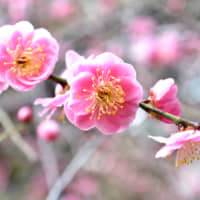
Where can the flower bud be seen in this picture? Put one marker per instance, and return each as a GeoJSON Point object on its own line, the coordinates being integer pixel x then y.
{"type": "Point", "coordinates": [48, 130]}
{"type": "Point", "coordinates": [25, 114]}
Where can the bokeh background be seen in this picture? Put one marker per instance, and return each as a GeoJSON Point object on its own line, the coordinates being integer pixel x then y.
{"type": "Point", "coordinates": [161, 38]}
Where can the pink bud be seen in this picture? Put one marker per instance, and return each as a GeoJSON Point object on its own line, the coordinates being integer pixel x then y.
{"type": "Point", "coordinates": [48, 130]}
{"type": "Point", "coordinates": [24, 114]}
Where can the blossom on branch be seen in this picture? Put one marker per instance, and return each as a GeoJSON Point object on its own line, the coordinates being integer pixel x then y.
{"type": "Point", "coordinates": [163, 97]}
{"type": "Point", "coordinates": [187, 144]}
{"type": "Point", "coordinates": [104, 92]}
{"type": "Point", "coordinates": [27, 56]}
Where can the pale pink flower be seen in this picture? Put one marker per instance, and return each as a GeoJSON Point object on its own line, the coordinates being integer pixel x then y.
{"type": "Point", "coordinates": [51, 104]}
{"type": "Point", "coordinates": [3, 86]}
{"type": "Point", "coordinates": [187, 144]}
{"type": "Point", "coordinates": [104, 92]}
{"type": "Point", "coordinates": [25, 114]}
{"type": "Point", "coordinates": [28, 56]}
{"type": "Point", "coordinates": [48, 130]}
{"type": "Point", "coordinates": [163, 97]}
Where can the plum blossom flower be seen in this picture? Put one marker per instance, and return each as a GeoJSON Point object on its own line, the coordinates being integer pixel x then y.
{"type": "Point", "coordinates": [187, 144]}
{"type": "Point", "coordinates": [104, 92]}
{"type": "Point", "coordinates": [163, 97]}
{"type": "Point", "coordinates": [51, 104]}
{"type": "Point", "coordinates": [28, 56]}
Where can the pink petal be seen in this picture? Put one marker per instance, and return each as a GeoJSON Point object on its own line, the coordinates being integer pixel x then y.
{"type": "Point", "coordinates": [133, 90]}
{"type": "Point", "coordinates": [15, 83]}
{"type": "Point", "coordinates": [167, 150]}
{"type": "Point", "coordinates": [71, 59]}
{"type": "Point", "coordinates": [82, 121]}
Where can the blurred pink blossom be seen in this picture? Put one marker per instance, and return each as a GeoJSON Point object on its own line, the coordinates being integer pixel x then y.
{"type": "Point", "coordinates": [28, 56]}
{"type": "Point", "coordinates": [142, 26]}
{"type": "Point", "coordinates": [157, 51]}
{"type": "Point", "coordinates": [104, 90]}
{"type": "Point", "coordinates": [187, 144]}
{"type": "Point", "coordinates": [25, 114]}
{"type": "Point", "coordinates": [85, 186]}
{"type": "Point", "coordinates": [163, 96]}
{"type": "Point", "coordinates": [107, 6]}
{"type": "Point", "coordinates": [17, 10]}
{"type": "Point", "coordinates": [168, 48]}
{"type": "Point", "coordinates": [61, 9]}
{"type": "Point", "coordinates": [48, 130]}
{"type": "Point", "coordinates": [71, 196]}
{"type": "Point", "coordinates": [144, 51]}
{"type": "Point", "coordinates": [176, 6]}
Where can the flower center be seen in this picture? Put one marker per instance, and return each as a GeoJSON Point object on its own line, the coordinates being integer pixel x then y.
{"type": "Point", "coordinates": [107, 96]}
{"type": "Point", "coordinates": [26, 61]}
{"type": "Point", "coordinates": [187, 153]}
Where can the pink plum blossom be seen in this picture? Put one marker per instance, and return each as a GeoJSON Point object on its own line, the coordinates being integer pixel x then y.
{"type": "Point", "coordinates": [48, 130]}
{"type": "Point", "coordinates": [163, 97]}
{"type": "Point", "coordinates": [24, 114]}
{"type": "Point", "coordinates": [187, 144]}
{"type": "Point", "coordinates": [104, 92]}
{"type": "Point", "coordinates": [28, 56]}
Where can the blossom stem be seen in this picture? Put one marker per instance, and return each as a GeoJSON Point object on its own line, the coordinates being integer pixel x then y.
{"type": "Point", "coordinates": [177, 120]}
{"type": "Point", "coordinates": [59, 80]}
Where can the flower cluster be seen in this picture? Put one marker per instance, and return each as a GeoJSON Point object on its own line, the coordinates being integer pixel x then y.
{"type": "Point", "coordinates": [101, 91]}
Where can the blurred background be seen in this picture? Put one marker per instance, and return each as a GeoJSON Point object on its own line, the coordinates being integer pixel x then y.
{"type": "Point", "coordinates": [161, 38]}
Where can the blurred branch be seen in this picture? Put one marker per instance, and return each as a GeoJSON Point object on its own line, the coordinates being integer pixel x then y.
{"type": "Point", "coordinates": [49, 162]}
{"type": "Point", "coordinates": [77, 162]}
{"type": "Point", "coordinates": [12, 131]}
